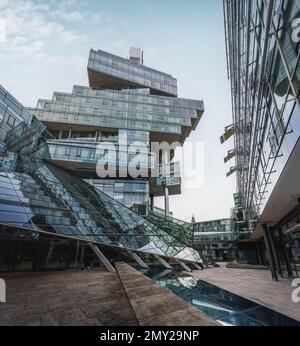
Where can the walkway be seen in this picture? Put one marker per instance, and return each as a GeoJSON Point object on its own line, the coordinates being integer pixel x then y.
{"type": "Point", "coordinates": [256, 285]}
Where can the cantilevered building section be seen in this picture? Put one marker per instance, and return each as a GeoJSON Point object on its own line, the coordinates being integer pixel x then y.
{"type": "Point", "coordinates": [126, 103]}
{"type": "Point", "coordinates": [109, 71]}
{"type": "Point", "coordinates": [264, 69]}
{"type": "Point", "coordinates": [55, 211]}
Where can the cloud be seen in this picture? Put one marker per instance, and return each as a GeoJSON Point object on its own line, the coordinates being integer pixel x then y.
{"type": "Point", "coordinates": [32, 28]}
{"type": "Point", "coordinates": [73, 16]}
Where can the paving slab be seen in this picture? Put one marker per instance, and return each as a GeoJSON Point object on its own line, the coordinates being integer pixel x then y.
{"type": "Point", "coordinates": [79, 298]}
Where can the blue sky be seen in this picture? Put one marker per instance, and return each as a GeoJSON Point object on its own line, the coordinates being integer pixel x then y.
{"type": "Point", "coordinates": [47, 45]}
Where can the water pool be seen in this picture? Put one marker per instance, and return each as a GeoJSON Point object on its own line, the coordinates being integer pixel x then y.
{"type": "Point", "coordinates": [225, 307]}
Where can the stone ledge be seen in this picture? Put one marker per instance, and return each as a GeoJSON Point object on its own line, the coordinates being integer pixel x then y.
{"type": "Point", "coordinates": [154, 305]}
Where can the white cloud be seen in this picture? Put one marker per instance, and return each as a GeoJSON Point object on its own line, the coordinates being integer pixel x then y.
{"type": "Point", "coordinates": [73, 16]}
{"type": "Point", "coordinates": [30, 27]}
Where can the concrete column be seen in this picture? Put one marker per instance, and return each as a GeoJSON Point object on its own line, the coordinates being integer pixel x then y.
{"type": "Point", "coordinates": [82, 255]}
{"type": "Point", "coordinates": [161, 274]}
{"type": "Point", "coordinates": [165, 161]}
{"type": "Point", "coordinates": [138, 259]}
{"type": "Point", "coordinates": [163, 262]}
{"type": "Point", "coordinates": [76, 255]}
{"type": "Point", "coordinates": [151, 202]}
{"type": "Point", "coordinates": [258, 254]}
{"type": "Point", "coordinates": [275, 253]}
{"type": "Point", "coordinates": [167, 208]}
{"type": "Point", "coordinates": [102, 258]}
{"type": "Point", "coordinates": [49, 254]}
{"type": "Point", "coordinates": [197, 266]}
{"type": "Point", "coordinates": [285, 255]}
{"type": "Point", "coordinates": [270, 254]}
{"type": "Point", "coordinates": [184, 266]}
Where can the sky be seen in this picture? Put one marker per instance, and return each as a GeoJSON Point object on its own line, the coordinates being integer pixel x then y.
{"type": "Point", "coordinates": [46, 46]}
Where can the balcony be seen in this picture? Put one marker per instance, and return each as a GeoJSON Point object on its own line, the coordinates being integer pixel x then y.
{"type": "Point", "coordinates": [168, 176]}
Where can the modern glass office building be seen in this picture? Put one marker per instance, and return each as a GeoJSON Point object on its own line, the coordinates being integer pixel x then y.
{"type": "Point", "coordinates": [216, 239]}
{"type": "Point", "coordinates": [130, 106]}
{"type": "Point", "coordinates": [262, 41]}
{"type": "Point", "coordinates": [68, 190]}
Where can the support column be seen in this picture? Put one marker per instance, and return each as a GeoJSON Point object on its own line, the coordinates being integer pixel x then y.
{"type": "Point", "coordinates": [138, 259]}
{"type": "Point", "coordinates": [274, 250]}
{"type": "Point", "coordinates": [258, 253]}
{"type": "Point", "coordinates": [269, 251]}
{"type": "Point", "coordinates": [151, 202]}
{"type": "Point", "coordinates": [82, 255]}
{"type": "Point", "coordinates": [184, 266]}
{"type": "Point", "coordinates": [165, 162]}
{"type": "Point", "coordinates": [198, 266]}
{"type": "Point", "coordinates": [49, 254]}
{"type": "Point", "coordinates": [285, 255]}
{"type": "Point", "coordinates": [167, 208]}
{"type": "Point", "coordinates": [76, 255]}
{"type": "Point", "coordinates": [162, 274]}
{"type": "Point", "coordinates": [163, 262]}
{"type": "Point", "coordinates": [102, 258]}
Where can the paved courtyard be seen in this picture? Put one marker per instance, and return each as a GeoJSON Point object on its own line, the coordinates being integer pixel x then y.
{"type": "Point", "coordinates": [66, 298]}
{"type": "Point", "coordinates": [94, 298]}
{"type": "Point", "coordinates": [256, 285]}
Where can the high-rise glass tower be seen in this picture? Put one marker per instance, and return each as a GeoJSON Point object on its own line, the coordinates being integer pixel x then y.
{"type": "Point", "coordinates": [262, 41]}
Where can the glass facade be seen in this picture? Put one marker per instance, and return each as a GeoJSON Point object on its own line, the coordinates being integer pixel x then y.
{"type": "Point", "coordinates": [40, 198]}
{"type": "Point", "coordinates": [216, 238]}
{"type": "Point", "coordinates": [264, 69]}
{"type": "Point", "coordinates": [51, 195]}
{"type": "Point", "coordinates": [116, 109]}
{"type": "Point", "coordinates": [133, 194]}
{"type": "Point", "coordinates": [11, 113]}
{"type": "Point", "coordinates": [129, 116]}
{"type": "Point", "coordinates": [125, 70]}
{"type": "Point", "coordinates": [180, 229]}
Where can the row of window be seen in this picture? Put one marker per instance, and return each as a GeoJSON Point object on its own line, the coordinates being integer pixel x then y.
{"type": "Point", "coordinates": [119, 108]}
{"type": "Point", "coordinates": [105, 121]}
{"type": "Point", "coordinates": [132, 69]}
{"type": "Point", "coordinates": [130, 97]}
